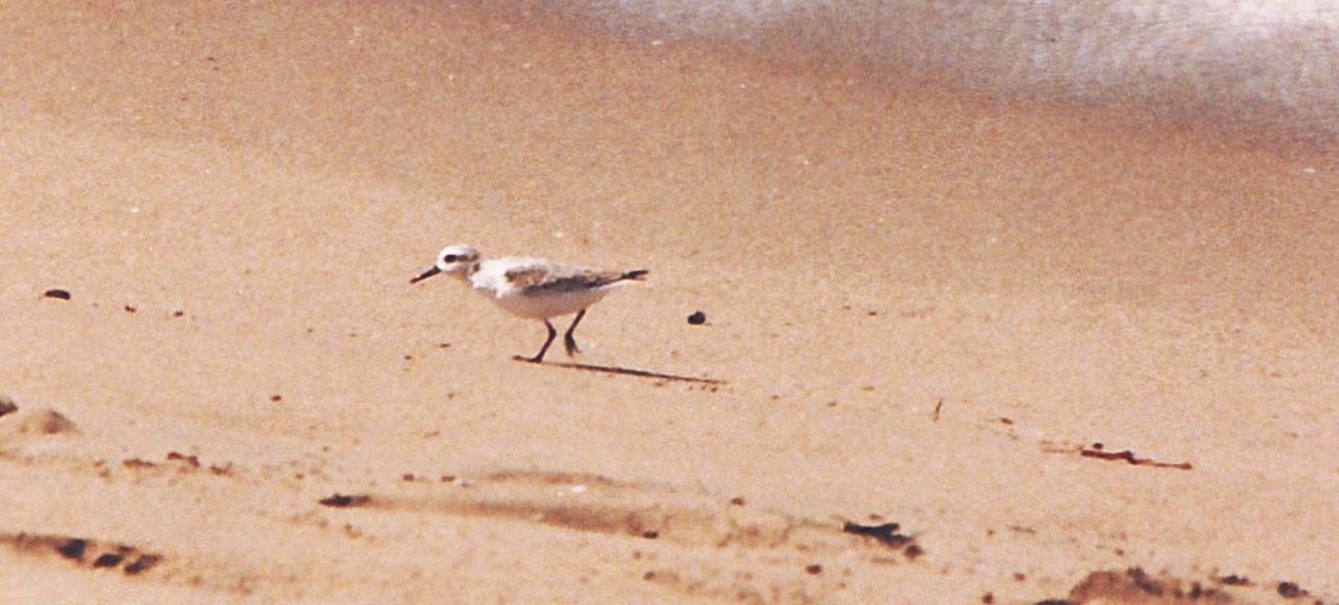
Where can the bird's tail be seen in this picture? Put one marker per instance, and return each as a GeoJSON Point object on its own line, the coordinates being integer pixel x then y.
{"type": "Point", "coordinates": [635, 274]}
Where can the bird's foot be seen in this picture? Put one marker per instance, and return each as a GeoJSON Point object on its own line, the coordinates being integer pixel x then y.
{"type": "Point", "coordinates": [535, 359]}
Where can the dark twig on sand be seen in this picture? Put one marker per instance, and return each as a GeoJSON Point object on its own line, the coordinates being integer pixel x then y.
{"type": "Point", "coordinates": [1096, 451]}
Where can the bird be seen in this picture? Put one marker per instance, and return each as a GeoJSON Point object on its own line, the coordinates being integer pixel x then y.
{"type": "Point", "coordinates": [532, 288]}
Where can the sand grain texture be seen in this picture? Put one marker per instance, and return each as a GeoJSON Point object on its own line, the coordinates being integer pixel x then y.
{"type": "Point", "coordinates": [923, 306]}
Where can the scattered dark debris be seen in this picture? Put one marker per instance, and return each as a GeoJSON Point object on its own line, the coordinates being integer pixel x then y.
{"type": "Point", "coordinates": [650, 535]}
{"type": "Point", "coordinates": [178, 313]}
{"type": "Point", "coordinates": [77, 549]}
{"type": "Point", "coordinates": [872, 313]}
{"type": "Point", "coordinates": [130, 309]}
{"type": "Point", "coordinates": [137, 463]}
{"type": "Point", "coordinates": [192, 460]}
{"type": "Point", "coordinates": [57, 293]}
{"type": "Point", "coordinates": [1096, 451]}
{"type": "Point", "coordinates": [737, 501]}
{"type": "Point", "coordinates": [1022, 529]}
{"type": "Point", "coordinates": [407, 477]}
{"type": "Point", "coordinates": [276, 398]}
{"type": "Point", "coordinates": [447, 478]}
{"type": "Point", "coordinates": [1234, 580]}
{"type": "Point", "coordinates": [988, 598]}
{"type": "Point", "coordinates": [342, 501]}
{"type": "Point", "coordinates": [1134, 585]}
{"type": "Point", "coordinates": [814, 569]}
{"type": "Point", "coordinates": [648, 576]}
{"type": "Point", "coordinates": [886, 533]}
{"type": "Point", "coordinates": [697, 318]}
{"type": "Point", "coordinates": [938, 406]}
{"type": "Point", "coordinates": [1019, 576]}
{"type": "Point", "coordinates": [445, 345]}
{"type": "Point", "coordinates": [1008, 421]}
{"type": "Point", "coordinates": [1290, 590]}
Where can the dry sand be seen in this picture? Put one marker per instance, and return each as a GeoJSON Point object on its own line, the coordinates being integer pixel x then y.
{"type": "Point", "coordinates": [924, 307]}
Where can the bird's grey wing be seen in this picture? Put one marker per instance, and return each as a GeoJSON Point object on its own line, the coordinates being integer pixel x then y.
{"type": "Point", "coordinates": [539, 281]}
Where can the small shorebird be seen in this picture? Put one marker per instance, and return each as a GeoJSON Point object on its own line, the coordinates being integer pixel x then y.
{"type": "Point", "coordinates": [532, 288]}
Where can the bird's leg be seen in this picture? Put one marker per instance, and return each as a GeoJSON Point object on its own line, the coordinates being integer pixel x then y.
{"type": "Point", "coordinates": [539, 357]}
{"type": "Point", "coordinates": [568, 340]}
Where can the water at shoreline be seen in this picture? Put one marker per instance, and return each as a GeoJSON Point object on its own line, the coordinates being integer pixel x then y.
{"type": "Point", "coordinates": [1241, 69]}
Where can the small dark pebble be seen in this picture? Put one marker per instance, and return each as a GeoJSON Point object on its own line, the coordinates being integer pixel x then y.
{"type": "Point", "coordinates": [7, 405]}
{"type": "Point", "coordinates": [276, 398]}
{"type": "Point", "coordinates": [1019, 576]}
{"type": "Point", "coordinates": [109, 559]}
{"type": "Point", "coordinates": [342, 501]}
{"type": "Point", "coordinates": [57, 293]}
{"type": "Point", "coordinates": [178, 313]}
{"type": "Point", "coordinates": [73, 549]}
{"type": "Point", "coordinates": [130, 309]}
{"type": "Point", "coordinates": [697, 318]}
{"type": "Point", "coordinates": [143, 563]}
{"type": "Point", "coordinates": [737, 501]}
{"type": "Point", "coordinates": [651, 535]}
{"type": "Point", "coordinates": [1289, 590]}
{"type": "Point", "coordinates": [1235, 580]}
{"type": "Point", "coordinates": [885, 533]}
{"type": "Point", "coordinates": [814, 569]}
{"type": "Point", "coordinates": [407, 477]}
{"type": "Point", "coordinates": [988, 598]}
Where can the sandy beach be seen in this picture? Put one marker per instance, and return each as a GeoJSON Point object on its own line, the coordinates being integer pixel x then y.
{"type": "Point", "coordinates": [957, 349]}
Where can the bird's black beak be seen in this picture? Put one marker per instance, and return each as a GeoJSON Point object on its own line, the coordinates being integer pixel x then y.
{"type": "Point", "coordinates": [425, 275]}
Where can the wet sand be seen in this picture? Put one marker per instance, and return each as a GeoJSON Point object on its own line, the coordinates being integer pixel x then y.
{"type": "Point", "coordinates": [926, 307]}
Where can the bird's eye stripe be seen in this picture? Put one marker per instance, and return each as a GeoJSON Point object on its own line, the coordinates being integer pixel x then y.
{"type": "Point", "coordinates": [450, 258]}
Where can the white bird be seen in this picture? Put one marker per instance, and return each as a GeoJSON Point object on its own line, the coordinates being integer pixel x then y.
{"type": "Point", "coordinates": [532, 288]}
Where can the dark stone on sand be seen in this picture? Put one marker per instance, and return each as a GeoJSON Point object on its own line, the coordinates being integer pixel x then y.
{"type": "Point", "coordinates": [342, 501]}
{"type": "Point", "coordinates": [73, 548]}
{"type": "Point", "coordinates": [697, 318]}
{"type": "Point", "coordinates": [109, 559]}
{"type": "Point", "coordinates": [1289, 590]}
{"type": "Point", "coordinates": [143, 563]}
{"type": "Point", "coordinates": [57, 293]}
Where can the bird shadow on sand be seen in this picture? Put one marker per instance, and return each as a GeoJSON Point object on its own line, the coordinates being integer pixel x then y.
{"type": "Point", "coordinates": [621, 371]}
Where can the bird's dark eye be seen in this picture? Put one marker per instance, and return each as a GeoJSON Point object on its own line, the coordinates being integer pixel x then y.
{"type": "Point", "coordinates": [450, 258]}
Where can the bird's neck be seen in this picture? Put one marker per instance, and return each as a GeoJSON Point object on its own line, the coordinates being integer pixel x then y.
{"type": "Point", "coordinates": [467, 274]}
